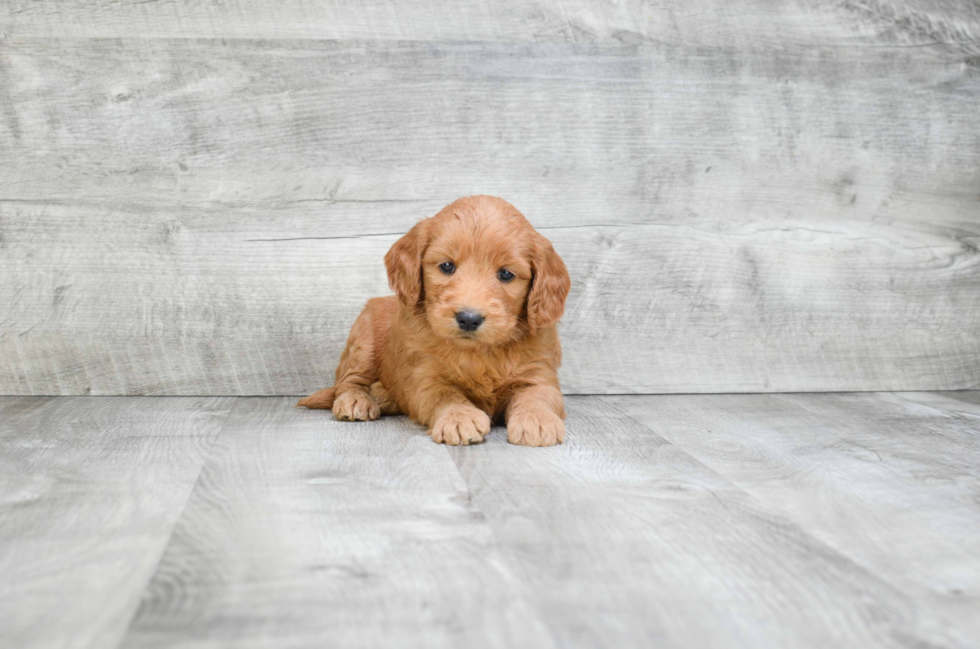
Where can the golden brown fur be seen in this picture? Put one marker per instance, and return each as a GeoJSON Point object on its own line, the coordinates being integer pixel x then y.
{"type": "Point", "coordinates": [408, 354]}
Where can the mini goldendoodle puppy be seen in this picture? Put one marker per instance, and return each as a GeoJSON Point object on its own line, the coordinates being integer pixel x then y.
{"type": "Point", "coordinates": [470, 337]}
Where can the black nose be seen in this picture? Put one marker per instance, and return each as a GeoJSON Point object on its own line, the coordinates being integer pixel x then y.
{"type": "Point", "coordinates": [469, 320]}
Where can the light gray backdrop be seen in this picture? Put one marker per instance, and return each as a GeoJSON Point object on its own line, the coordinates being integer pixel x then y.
{"type": "Point", "coordinates": [195, 197]}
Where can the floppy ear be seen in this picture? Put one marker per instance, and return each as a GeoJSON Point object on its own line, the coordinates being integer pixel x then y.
{"type": "Point", "coordinates": [549, 286]}
{"type": "Point", "coordinates": [404, 264]}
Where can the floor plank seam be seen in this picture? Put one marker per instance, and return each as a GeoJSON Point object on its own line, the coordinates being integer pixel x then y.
{"type": "Point", "coordinates": [813, 413]}
{"type": "Point", "coordinates": [908, 397]}
{"type": "Point", "coordinates": [176, 521]}
{"type": "Point", "coordinates": [764, 505]}
{"type": "Point", "coordinates": [515, 565]}
{"type": "Point", "coordinates": [871, 571]}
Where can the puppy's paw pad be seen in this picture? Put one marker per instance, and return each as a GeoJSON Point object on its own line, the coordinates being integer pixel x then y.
{"type": "Point", "coordinates": [536, 428]}
{"type": "Point", "coordinates": [460, 425]}
{"type": "Point", "coordinates": [355, 406]}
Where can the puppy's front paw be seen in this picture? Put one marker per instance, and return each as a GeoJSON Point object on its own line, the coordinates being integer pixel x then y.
{"type": "Point", "coordinates": [535, 428]}
{"type": "Point", "coordinates": [460, 425]}
{"type": "Point", "coordinates": [355, 406]}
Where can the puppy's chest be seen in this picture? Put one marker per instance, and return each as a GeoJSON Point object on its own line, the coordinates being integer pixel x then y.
{"type": "Point", "coordinates": [480, 378]}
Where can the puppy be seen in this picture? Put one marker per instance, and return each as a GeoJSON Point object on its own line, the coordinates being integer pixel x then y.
{"type": "Point", "coordinates": [470, 337]}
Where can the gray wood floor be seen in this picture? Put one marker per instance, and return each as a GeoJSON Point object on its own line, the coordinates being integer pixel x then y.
{"type": "Point", "coordinates": [711, 520]}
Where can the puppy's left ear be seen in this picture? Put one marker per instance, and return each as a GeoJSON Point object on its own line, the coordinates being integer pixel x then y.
{"type": "Point", "coordinates": [404, 264]}
{"type": "Point", "coordinates": [549, 286]}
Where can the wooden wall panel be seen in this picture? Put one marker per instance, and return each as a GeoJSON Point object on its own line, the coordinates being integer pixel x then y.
{"type": "Point", "coordinates": [752, 209]}
{"type": "Point", "coordinates": [746, 24]}
{"type": "Point", "coordinates": [654, 308]}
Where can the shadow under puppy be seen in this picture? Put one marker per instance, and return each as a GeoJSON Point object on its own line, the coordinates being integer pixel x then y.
{"type": "Point", "coordinates": [470, 336]}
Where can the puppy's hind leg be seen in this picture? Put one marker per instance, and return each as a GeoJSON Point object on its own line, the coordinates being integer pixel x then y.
{"type": "Point", "coordinates": [356, 404]}
{"type": "Point", "coordinates": [350, 397]}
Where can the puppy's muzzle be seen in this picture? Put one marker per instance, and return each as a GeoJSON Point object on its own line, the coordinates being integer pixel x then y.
{"type": "Point", "coordinates": [469, 320]}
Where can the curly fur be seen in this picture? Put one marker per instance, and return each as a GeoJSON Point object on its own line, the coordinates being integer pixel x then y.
{"type": "Point", "coordinates": [406, 353]}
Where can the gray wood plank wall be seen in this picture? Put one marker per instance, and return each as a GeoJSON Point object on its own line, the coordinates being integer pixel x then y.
{"type": "Point", "coordinates": [751, 196]}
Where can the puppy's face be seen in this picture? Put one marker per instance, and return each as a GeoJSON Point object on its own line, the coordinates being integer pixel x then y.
{"type": "Point", "coordinates": [481, 273]}
{"type": "Point", "coordinates": [475, 277]}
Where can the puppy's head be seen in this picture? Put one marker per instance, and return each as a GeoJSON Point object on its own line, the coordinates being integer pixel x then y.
{"type": "Point", "coordinates": [480, 272]}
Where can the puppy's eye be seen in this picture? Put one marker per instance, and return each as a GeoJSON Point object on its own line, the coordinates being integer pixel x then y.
{"type": "Point", "coordinates": [447, 267]}
{"type": "Point", "coordinates": [505, 275]}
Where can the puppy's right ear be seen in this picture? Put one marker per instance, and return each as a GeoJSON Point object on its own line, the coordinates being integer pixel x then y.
{"type": "Point", "coordinates": [404, 264]}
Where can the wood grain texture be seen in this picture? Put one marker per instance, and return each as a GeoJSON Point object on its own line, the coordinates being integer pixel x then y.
{"type": "Point", "coordinates": [653, 308]}
{"type": "Point", "coordinates": [208, 216]}
{"type": "Point", "coordinates": [89, 492]}
{"type": "Point", "coordinates": [964, 404]}
{"type": "Point", "coordinates": [747, 24]}
{"type": "Point", "coordinates": [891, 481]}
{"type": "Point", "coordinates": [306, 531]}
{"type": "Point", "coordinates": [627, 540]}
{"type": "Point", "coordinates": [696, 521]}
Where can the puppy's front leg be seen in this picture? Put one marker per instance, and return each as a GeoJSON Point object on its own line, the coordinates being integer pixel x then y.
{"type": "Point", "coordinates": [534, 416]}
{"type": "Point", "coordinates": [451, 417]}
